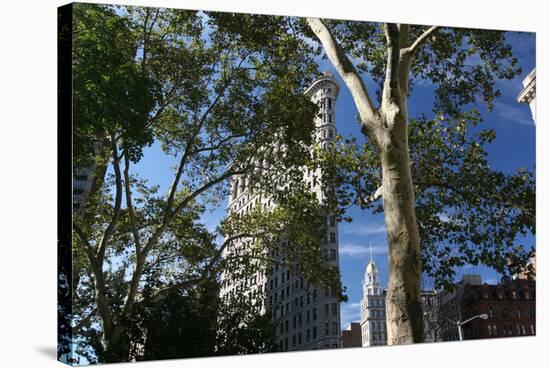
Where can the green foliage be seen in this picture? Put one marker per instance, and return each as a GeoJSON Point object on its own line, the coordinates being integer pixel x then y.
{"type": "Point", "coordinates": [468, 213]}
{"type": "Point", "coordinates": [111, 94]}
{"type": "Point", "coordinates": [180, 325]}
{"type": "Point", "coordinates": [243, 332]}
{"type": "Point", "coordinates": [210, 90]}
{"type": "Point", "coordinates": [462, 63]}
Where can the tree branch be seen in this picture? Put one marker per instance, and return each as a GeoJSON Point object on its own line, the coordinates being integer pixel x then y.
{"type": "Point", "coordinates": [345, 68]}
{"type": "Point", "coordinates": [84, 321]}
{"type": "Point", "coordinates": [118, 202]}
{"type": "Point", "coordinates": [372, 198]}
{"type": "Point", "coordinates": [130, 206]}
{"type": "Point", "coordinates": [391, 83]}
{"type": "Point", "coordinates": [421, 39]}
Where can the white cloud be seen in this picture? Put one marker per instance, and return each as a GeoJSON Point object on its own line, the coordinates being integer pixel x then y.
{"type": "Point", "coordinates": [520, 114]}
{"type": "Point", "coordinates": [350, 312]}
{"type": "Point", "coordinates": [350, 249]}
{"type": "Point", "coordinates": [359, 229]}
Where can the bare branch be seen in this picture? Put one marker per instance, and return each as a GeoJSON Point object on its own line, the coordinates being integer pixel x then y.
{"type": "Point", "coordinates": [421, 39]}
{"type": "Point", "coordinates": [129, 204]}
{"type": "Point", "coordinates": [84, 321]}
{"type": "Point", "coordinates": [391, 82]}
{"type": "Point", "coordinates": [118, 202]}
{"type": "Point", "coordinates": [372, 198]}
{"type": "Point", "coordinates": [345, 68]}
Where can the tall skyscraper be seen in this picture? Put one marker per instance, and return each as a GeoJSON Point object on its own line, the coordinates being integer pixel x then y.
{"type": "Point", "coordinates": [373, 308]}
{"type": "Point", "coordinates": [306, 317]}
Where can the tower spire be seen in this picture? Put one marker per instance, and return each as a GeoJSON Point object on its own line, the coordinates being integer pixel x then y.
{"type": "Point", "coordinates": [370, 250]}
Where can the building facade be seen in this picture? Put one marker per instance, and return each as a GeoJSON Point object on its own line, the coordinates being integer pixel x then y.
{"type": "Point", "coordinates": [430, 312]}
{"type": "Point", "coordinates": [82, 185]}
{"type": "Point", "coordinates": [509, 306]}
{"type": "Point", "coordinates": [529, 93]}
{"type": "Point", "coordinates": [373, 309]}
{"type": "Point", "coordinates": [351, 338]}
{"type": "Point", "coordinates": [306, 317]}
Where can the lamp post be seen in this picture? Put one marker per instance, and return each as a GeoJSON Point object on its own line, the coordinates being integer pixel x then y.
{"type": "Point", "coordinates": [459, 324]}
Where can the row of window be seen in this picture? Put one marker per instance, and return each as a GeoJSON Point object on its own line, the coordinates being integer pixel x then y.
{"type": "Point", "coordinates": [508, 330]}
{"type": "Point", "coordinates": [507, 313]}
{"type": "Point", "coordinates": [514, 294]}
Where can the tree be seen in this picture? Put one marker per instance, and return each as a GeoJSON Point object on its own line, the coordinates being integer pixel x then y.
{"type": "Point", "coordinates": [448, 170]}
{"type": "Point", "coordinates": [243, 332]}
{"type": "Point", "coordinates": [213, 98]}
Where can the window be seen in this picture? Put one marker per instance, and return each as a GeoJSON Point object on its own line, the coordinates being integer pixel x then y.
{"type": "Point", "coordinates": [326, 309]}
{"type": "Point", "coordinates": [330, 132]}
{"type": "Point", "coordinates": [335, 328]}
{"type": "Point", "coordinates": [332, 221]}
{"type": "Point", "coordinates": [333, 254]}
{"type": "Point", "coordinates": [308, 335]}
{"type": "Point", "coordinates": [314, 332]}
{"type": "Point", "coordinates": [314, 314]}
{"type": "Point", "coordinates": [333, 237]}
{"type": "Point", "coordinates": [518, 313]}
{"type": "Point", "coordinates": [514, 294]}
{"type": "Point", "coordinates": [490, 312]}
{"type": "Point", "coordinates": [504, 312]}
{"type": "Point", "coordinates": [334, 309]}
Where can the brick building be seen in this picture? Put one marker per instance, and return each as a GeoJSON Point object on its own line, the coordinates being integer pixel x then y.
{"type": "Point", "coordinates": [351, 338]}
{"type": "Point", "coordinates": [509, 305]}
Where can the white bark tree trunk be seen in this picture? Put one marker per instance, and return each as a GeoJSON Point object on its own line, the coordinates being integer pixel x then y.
{"type": "Point", "coordinates": [387, 127]}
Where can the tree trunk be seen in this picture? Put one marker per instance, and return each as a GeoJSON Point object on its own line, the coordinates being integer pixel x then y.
{"type": "Point", "coordinates": [117, 346]}
{"type": "Point", "coordinates": [404, 311]}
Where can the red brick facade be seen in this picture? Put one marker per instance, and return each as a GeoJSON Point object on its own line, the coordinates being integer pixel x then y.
{"type": "Point", "coordinates": [509, 305]}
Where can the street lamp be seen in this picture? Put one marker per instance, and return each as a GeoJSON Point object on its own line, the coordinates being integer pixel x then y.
{"type": "Point", "coordinates": [459, 324]}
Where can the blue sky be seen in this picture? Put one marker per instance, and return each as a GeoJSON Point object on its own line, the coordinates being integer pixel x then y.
{"type": "Point", "coordinates": [514, 147]}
